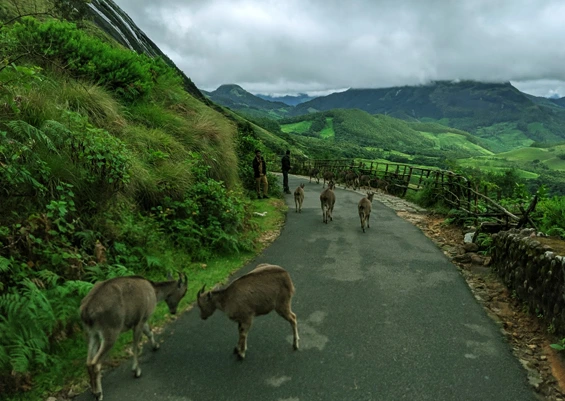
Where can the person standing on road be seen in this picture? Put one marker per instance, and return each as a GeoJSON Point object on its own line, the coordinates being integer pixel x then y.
{"type": "Point", "coordinates": [260, 170]}
{"type": "Point", "coordinates": [285, 161]}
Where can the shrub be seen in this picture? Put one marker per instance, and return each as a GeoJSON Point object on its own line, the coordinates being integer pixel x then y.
{"type": "Point", "coordinates": [126, 73]}
{"type": "Point", "coordinates": [553, 216]}
{"type": "Point", "coordinates": [210, 219]}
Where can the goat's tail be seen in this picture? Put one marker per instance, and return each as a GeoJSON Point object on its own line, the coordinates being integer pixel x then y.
{"type": "Point", "coordinates": [290, 286]}
{"type": "Point", "coordinates": [86, 317]}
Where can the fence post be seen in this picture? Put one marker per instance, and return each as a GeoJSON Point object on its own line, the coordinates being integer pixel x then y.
{"type": "Point", "coordinates": [407, 181]}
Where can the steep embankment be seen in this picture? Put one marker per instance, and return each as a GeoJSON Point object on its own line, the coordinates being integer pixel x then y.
{"type": "Point", "coordinates": [108, 167]}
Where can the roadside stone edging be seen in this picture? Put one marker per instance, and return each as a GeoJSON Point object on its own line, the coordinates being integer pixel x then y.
{"type": "Point", "coordinates": [534, 272]}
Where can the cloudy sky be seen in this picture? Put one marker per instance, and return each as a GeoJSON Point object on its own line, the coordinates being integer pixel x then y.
{"type": "Point", "coordinates": [320, 46]}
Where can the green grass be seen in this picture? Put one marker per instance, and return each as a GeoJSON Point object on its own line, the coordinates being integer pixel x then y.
{"type": "Point", "coordinates": [503, 137]}
{"type": "Point", "coordinates": [453, 140]}
{"type": "Point", "coordinates": [328, 131]}
{"type": "Point", "coordinates": [68, 368]}
{"type": "Point", "coordinates": [299, 127]}
{"type": "Point", "coordinates": [527, 161]}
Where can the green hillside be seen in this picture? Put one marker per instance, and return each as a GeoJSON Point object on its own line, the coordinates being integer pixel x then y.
{"type": "Point", "coordinates": [530, 163]}
{"type": "Point", "coordinates": [486, 110]}
{"type": "Point", "coordinates": [108, 167]}
{"type": "Point", "coordinates": [385, 133]}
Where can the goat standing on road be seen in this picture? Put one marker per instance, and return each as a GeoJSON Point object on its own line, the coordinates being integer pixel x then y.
{"type": "Point", "coordinates": [365, 181]}
{"type": "Point", "coordinates": [299, 198]}
{"type": "Point", "coordinates": [327, 200]}
{"type": "Point", "coordinates": [257, 293]}
{"type": "Point", "coordinates": [314, 173]}
{"type": "Point", "coordinates": [352, 179]}
{"type": "Point", "coordinates": [328, 176]}
{"type": "Point", "coordinates": [365, 206]}
{"type": "Point", "coordinates": [379, 183]}
{"type": "Point", "coordinates": [121, 304]}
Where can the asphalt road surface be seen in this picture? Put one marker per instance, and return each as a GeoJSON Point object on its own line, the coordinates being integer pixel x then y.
{"type": "Point", "coordinates": [381, 316]}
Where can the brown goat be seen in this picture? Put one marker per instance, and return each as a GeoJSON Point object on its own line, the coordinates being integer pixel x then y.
{"type": "Point", "coordinates": [257, 293]}
{"type": "Point", "coordinates": [352, 179]}
{"type": "Point", "coordinates": [299, 198]}
{"type": "Point", "coordinates": [379, 183]}
{"type": "Point", "coordinates": [121, 304]}
{"type": "Point", "coordinates": [365, 181]}
{"type": "Point", "coordinates": [365, 206]}
{"type": "Point", "coordinates": [341, 177]}
{"type": "Point", "coordinates": [328, 176]}
{"type": "Point", "coordinates": [315, 173]}
{"type": "Point", "coordinates": [327, 200]}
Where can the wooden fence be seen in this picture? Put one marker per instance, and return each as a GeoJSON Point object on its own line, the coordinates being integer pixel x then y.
{"type": "Point", "coordinates": [456, 191]}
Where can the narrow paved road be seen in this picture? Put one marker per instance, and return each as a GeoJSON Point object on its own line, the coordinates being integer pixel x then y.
{"type": "Point", "coordinates": [382, 316]}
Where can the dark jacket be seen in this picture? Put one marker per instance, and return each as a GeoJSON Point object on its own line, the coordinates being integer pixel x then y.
{"type": "Point", "coordinates": [256, 166]}
{"type": "Point", "coordinates": [285, 163]}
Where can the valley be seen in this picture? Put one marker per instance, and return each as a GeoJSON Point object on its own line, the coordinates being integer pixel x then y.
{"type": "Point", "coordinates": [468, 125]}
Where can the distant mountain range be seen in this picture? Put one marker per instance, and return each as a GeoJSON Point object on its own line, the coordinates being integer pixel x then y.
{"type": "Point", "coordinates": [238, 99]}
{"type": "Point", "coordinates": [493, 112]}
{"type": "Point", "coordinates": [289, 100]}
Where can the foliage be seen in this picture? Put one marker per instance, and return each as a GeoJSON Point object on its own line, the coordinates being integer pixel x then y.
{"type": "Point", "coordinates": [247, 143]}
{"type": "Point", "coordinates": [429, 196]}
{"type": "Point", "coordinates": [552, 219]}
{"type": "Point", "coordinates": [485, 243]}
{"type": "Point", "coordinates": [125, 175]}
{"type": "Point", "coordinates": [208, 220]}
{"type": "Point", "coordinates": [62, 44]}
{"type": "Point", "coordinates": [560, 346]}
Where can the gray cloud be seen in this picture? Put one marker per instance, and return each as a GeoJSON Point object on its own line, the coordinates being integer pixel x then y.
{"type": "Point", "coordinates": [291, 46]}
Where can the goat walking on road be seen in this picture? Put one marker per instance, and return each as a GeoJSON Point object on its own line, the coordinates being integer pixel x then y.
{"type": "Point", "coordinates": [365, 206]}
{"type": "Point", "coordinates": [327, 200]}
{"type": "Point", "coordinates": [328, 176]}
{"type": "Point", "coordinates": [121, 304]}
{"type": "Point", "coordinates": [299, 198]}
{"type": "Point", "coordinates": [315, 173]}
{"type": "Point", "coordinates": [257, 293]}
{"type": "Point", "coordinates": [351, 179]}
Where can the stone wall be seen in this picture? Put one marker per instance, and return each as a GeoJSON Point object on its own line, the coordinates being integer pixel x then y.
{"type": "Point", "coordinates": [534, 269]}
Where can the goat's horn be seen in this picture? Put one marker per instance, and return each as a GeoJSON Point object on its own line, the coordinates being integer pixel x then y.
{"type": "Point", "coordinates": [201, 291]}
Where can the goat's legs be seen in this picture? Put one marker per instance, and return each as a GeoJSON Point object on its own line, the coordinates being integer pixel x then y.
{"type": "Point", "coordinates": [147, 331]}
{"type": "Point", "coordinates": [137, 332]}
{"type": "Point", "coordinates": [243, 328]}
{"type": "Point", "coordinates": [94, 366]}
{"type": "Point", "coordinates": [286, 313]}
{"type": "Point", "coordinates": [93, 348]}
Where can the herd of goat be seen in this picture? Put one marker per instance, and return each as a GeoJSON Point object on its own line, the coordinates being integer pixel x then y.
{"type": "Point", "coordinates": [126, 303]}
{"type": "Point", "coordinates": [348, 178]}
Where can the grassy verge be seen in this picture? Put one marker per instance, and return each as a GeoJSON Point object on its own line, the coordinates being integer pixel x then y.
{"type": "Point", "coordinates": [67, 374]}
